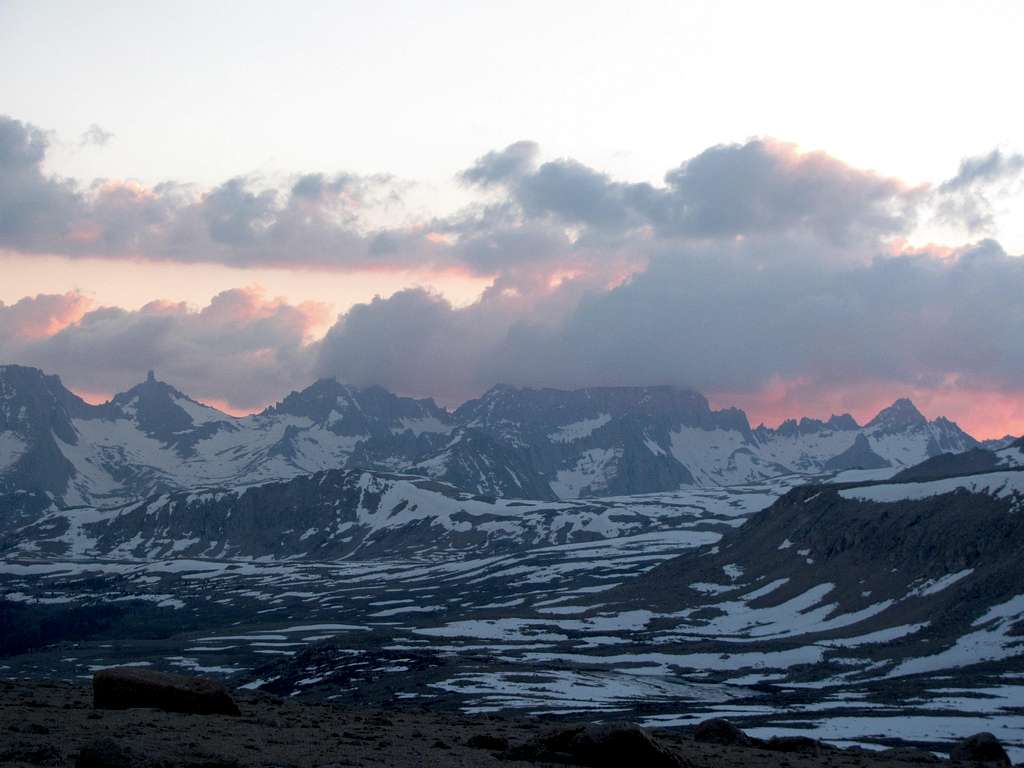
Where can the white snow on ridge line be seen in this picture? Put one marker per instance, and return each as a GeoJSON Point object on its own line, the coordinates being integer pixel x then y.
{"type": "Point", "coordinates": [200, 413]}
{"type": "Point", "coordinates": [997, 484]}
{"type": "Point", "coordinates": [864, 475]}
{"type": "Point", "coordinates": [935, 586]}
{"type": "Point", "coordinates": [577, 430]}
{"type": "Point", "coordinates": [423, 424]}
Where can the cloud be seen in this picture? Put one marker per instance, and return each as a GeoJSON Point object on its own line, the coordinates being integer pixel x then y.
{"type": "Point", "coordinates": [984, 169]}
{"type": "Point", "coordinates": [415, 342]}
{"type": "Point", "coordinates": [502, 166]}
{"type": "Point", "coordinates": [536, 217]}
{"type": "Point", "coordinates": [965, 199]}
{"type": "Point", "coordinates": [733, 319]}
{"type": "Point", "coordinates": [729, 190]}
{"type": "Point", "coordinates": [770, 187]}
{"type": "Point", "coordinates": [753, 268]}
{"type": "Point", "coordinates": [40, 316]}
{"type": "Point", "coordinates": [37, 212]}
{"type": "Point", "coordinates": [315, 222]}
{"type": "Point", "coordinates": [242, 349]}
{"type": "Point", "coordinates": [95, 136]}
{"type": "Point", "coordinates": [719, 319]}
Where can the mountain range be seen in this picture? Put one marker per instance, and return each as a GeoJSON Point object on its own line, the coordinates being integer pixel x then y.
{"type": "Point", "coordinates": [543, 444]}
{"type": "Point", "coordinates": [533, 548]}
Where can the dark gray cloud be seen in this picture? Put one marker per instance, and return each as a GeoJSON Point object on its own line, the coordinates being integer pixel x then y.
{"type": "Point", "coordinates": [966, 199]}
{"type": "Point", "coordinates": [730, 319]}
{"type": "Point", "coordinates": [726, 191]}
{"type": "Point", "coordinates": [431, 347]}
{"type": "Point", "coordinates": [718, 318]}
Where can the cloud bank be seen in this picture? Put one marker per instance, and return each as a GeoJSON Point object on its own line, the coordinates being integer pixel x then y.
{"type": "Point", "coordinates": [754, 270]}
{"type": "Point", "coordinates": [242, 350]}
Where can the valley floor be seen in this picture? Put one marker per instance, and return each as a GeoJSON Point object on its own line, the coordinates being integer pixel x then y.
{"type": "Point", "coordinates": [532, 635]}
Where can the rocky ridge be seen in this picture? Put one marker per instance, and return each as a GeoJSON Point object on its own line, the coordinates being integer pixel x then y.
{"type": "Point", "coordinates": [511, 442]}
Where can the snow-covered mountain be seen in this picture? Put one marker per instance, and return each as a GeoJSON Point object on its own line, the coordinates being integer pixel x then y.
{"type": "Point", "coordinates": [511, 442]}
{"type": "Point", "coordinates": [154, 439]}
{"type": "Point", "coordinates": [899, 436]}
{"type": "Point", "coordinates": [621, 440]}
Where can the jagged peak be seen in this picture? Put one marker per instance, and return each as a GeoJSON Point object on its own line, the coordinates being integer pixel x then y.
{"type": "Point", "coordinates": [38, 385]}
{"type": "Point", "coordinates": [328, 399]}
{"type": "Point", "coordinates": [23, 374]}
{"type": "Point", "coordinates": [149, 389]}
{"type": "Point", "coordinates": [15, 368]}
{"type": "Point", "coordinates": [842, 421]}
{"type": "Point", "coordinates": [788, 428]}
{"type": "Point", "coordinates": [809, 426]}
{"type": "Point", "coordinates": [902, 414]}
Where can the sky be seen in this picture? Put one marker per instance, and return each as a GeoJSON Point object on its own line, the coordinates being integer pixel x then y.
{"type": "Point", "coordinates": [796, 208]}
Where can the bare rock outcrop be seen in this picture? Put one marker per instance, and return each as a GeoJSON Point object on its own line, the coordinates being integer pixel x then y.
{"type": "Point", "coordinates": [131, 687]}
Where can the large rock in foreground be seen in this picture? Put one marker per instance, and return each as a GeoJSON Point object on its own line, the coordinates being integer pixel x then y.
{"type": "Point", "coordinates": [128, 688]}
{"type": "Point", "coordinates": [723, 732]}
{"type": "Point", "coordinates": [598, 746]}
{"type": "Point", "coordinates": [980, 748]}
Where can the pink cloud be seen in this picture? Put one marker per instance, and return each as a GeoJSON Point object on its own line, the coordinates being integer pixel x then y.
{"type": "Point", "coordinates": [43, 315]}
{"type": "Point", "coordinates": [244, 349]}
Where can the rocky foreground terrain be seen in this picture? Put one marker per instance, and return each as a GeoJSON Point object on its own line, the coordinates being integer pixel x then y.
{"type": "Point", "coordinates": [56, 724]}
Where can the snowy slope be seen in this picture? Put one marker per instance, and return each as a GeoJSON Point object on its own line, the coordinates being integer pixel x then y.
{"type": "Point", "coordinates": [357, 513]}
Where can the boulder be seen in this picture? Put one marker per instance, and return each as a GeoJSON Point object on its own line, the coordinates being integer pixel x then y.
{"type": "Point", "coordinates": [598, 746]}
{"type": "Point", "coordinates": [719, 731]}
{"type": "Point", "coordinates": [130, 687]}
{"type": "Point", "coordinates": [803, 745]}
{"type": "Point", "coordinates": [980, 748]}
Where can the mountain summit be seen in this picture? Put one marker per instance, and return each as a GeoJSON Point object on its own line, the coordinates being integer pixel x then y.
{"type": "Point", "coordinates": [901, 415]}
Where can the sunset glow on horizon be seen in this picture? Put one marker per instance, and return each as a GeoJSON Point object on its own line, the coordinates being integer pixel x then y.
{"type": "Point", "coordinates": [532, 234]}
